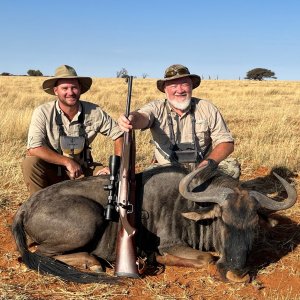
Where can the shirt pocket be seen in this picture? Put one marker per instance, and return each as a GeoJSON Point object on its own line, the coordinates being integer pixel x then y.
{"type": "Point", "coordinates": [201, 129]}
{"type": "Point", "coordinates": [201, 126]}
{"type": "Point", "coordinates": [202, 132]}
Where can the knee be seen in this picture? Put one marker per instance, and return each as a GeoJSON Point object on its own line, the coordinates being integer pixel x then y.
{"type": "Point", "coordinates": [231, 167]}
{"type": "Point", "coordinates": [38, 174]}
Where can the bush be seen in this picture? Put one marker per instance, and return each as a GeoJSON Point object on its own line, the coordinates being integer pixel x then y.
{"type": "Point", "coordinates": [34, 73]}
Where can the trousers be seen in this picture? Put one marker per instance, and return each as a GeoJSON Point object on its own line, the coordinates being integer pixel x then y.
{"type": "Point", "coordinates": [39, 174]}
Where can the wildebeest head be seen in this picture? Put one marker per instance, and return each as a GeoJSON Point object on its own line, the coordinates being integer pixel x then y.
{"type": "Point", "coordinates": [235, 214]}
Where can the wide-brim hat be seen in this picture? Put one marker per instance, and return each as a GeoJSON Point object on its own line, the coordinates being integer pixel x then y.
{"type": "Point", "coordinates": [66, 72]}
{"type": "Point", "coordinates": [177, 71]}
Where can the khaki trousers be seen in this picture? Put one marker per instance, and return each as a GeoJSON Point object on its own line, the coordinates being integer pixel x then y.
{"type": "Point", "coordinates": [39, 174]}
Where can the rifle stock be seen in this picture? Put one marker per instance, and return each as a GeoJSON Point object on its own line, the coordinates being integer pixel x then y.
{"type": "Point", "coordinates": [126, 251]}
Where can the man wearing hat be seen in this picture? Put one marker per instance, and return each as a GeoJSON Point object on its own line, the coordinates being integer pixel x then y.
{"type": "Point", "coordinates": [185, 129]}
{"type": "Point", "coordinates": [61, 131]}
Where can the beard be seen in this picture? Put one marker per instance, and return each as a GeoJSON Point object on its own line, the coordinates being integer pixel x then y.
{"type": "Point", "coordinates": [182, 105]}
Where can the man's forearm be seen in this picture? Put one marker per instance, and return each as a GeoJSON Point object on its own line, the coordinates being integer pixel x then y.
{"type": "Point", "coordinates": [221, 151]}
{"type": "Point", "coordinates": [139, 120]}
{"type": "Point", "coordinates": [73, 168]}
{"type": "Point", "coordinates": [48, 155]}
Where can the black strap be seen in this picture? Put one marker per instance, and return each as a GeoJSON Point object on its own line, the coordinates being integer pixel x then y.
{"type": "Point", "coordinates": [59, 123]}
{"type": "Point", "coordinates": [193, 119]}
{"type": "Point", "coordinates": [170, 124]}
{"type": "Point", "coordinates": [201, 154]}
{"type": "Point", "coordinates": [173, 145]}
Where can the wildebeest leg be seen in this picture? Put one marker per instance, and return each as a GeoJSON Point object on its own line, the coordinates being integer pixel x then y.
{"type": "Point", "coordinates": [172, 260]}
{"type": "Point", "coordinates": [77, 259]}
{"type": "Point", "coordinates": [81, 259]}
{"type": "Point", "coordinates": [183, 256]}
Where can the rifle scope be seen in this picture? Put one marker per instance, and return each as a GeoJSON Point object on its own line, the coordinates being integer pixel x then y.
{"type": "Point", "coordinates": [114, 166]}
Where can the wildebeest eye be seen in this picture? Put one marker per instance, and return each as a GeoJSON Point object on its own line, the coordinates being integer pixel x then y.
{"type": "Point", "coordinates": [144, 215]}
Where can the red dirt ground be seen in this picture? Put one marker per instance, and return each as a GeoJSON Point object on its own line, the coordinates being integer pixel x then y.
{"type": "Point", "coordinates": [275, 271]}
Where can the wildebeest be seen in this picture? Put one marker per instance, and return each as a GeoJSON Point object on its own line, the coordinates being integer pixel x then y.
{"type": "Point", "coordinates": [180, 216]}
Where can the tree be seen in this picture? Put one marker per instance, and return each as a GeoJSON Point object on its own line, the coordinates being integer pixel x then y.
{"type": "Point", "coordinates": [260, 74]}
{"type": "Point", "coordinates": [5, 74]}
{"type": "Point", "coordinates": [123, 73]}
{"type": "Point", "coordinates": [144, 75]}
{"type": "Point", "coordinates": [34, 73]}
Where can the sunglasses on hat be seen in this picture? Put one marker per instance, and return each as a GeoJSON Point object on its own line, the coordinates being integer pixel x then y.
{"type": "Point", "coordinates": [177, 71]}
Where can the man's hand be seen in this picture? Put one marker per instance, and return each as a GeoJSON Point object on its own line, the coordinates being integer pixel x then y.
{"type": "Point", "coordinates": [135, 120]}
{"type": "Point", "coordinates": [103, 171]}
{"type": "Point", "coordinates": [73, 169]}
{"type": "Point", "coordinates": [125, 123]}
{"type": "Point", "coordinates": [202, 164]}
{"type": "Point", "coordinates": [207, 161]}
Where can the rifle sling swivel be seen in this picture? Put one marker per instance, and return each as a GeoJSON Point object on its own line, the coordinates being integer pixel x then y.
{"type": "Point", "coordinates": [128, 207]}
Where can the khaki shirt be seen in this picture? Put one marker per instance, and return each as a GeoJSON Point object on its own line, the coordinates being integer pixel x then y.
{"type": "Point", "coordinates": [43, 130]}
{"type": "Point", "coordinates": [210, 126]}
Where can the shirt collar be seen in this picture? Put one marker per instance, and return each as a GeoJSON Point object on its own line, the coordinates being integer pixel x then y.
{"type": "Point", "coordinates": [76, 117]}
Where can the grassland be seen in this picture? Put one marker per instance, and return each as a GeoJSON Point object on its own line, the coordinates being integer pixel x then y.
{"type": "Point", "coordinates": [264, 118]}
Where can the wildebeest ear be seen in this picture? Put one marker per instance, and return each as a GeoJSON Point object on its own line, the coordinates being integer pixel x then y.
{"type": "Point", "coordinates": [197, 216]}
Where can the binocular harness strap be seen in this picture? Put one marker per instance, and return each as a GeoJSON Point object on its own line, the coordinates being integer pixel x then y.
{"type": "Point", "coordinates": [173, 145]}
{"type": "Point", "coordinates": [59, 123]}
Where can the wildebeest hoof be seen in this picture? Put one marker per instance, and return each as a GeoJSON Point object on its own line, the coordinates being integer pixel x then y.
{"type": "Point", "coordinates": [96, 269]}
{"type": "Point", "coordinates": [236, 278]}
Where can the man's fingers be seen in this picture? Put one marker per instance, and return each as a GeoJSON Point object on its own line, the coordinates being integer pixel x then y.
{"type": "Point", "coordinates": [74, 174]}
{"type": "Point", "coordinates": [71, 175]}
{"type": "Point", "coordinates": [130, 117]}
{"type": "Point", "coordinates": [203, 164]}
{"type": "Point", "coordinates": [103, 171]}
{"type": "Point", "coordinates": [124, 123]}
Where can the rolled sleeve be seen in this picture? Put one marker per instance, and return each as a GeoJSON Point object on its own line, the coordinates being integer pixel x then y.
{"type": "Point", "coordinates": [220, 133]}
{"type": "Point", "coordinates": [152, 110]}
{"type": "Point", "coordinates": [37, 129]}
{"type": "Point", "coordinates": [107, 126]}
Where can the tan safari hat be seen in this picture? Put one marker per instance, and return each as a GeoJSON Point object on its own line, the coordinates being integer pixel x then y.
{"type": "Point", "coordinates": [177, 71]}
{"type": "Point", "coordinates": [63, 72]}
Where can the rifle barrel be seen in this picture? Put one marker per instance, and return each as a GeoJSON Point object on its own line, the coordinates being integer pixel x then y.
{"type": "Point", "coordinates": [129, 81]}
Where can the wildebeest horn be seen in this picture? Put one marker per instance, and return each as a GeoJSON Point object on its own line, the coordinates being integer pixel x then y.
{"type": "Point", "coordinates": [205, 173]}
{"type": "Point", "coordinates": [274, 205]}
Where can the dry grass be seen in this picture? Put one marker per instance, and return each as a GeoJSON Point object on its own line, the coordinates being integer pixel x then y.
{"type": "Point", "coordinates": [264, 118]}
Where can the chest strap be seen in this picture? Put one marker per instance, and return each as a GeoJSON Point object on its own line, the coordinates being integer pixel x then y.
{"type": "Point", "coordinates": [58, 120]}
{"type": "Point", "coordinates": [174, 145]}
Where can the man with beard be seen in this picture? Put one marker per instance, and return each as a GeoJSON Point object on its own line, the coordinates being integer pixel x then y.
{"type": "Point", "coordinates": [61, 131]}
{"type": "Point", "coordinates": [185, 130]}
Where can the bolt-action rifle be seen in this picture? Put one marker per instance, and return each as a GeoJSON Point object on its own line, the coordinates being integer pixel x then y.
{"type": "Point", "coordinates": [126, 250]}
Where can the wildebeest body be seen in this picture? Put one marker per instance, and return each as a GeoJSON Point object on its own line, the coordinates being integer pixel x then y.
{"type": "Point", "coordinates": [69, 217]}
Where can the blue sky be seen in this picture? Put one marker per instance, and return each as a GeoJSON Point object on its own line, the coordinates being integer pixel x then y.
{"type": "Point", "coordinates": [221, 39]}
